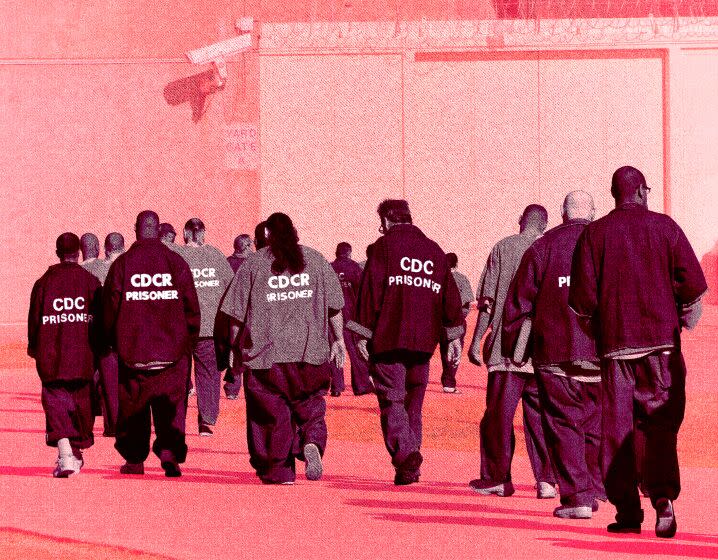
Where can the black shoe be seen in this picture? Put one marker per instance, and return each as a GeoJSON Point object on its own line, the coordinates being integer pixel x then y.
{"type": "Point", "coordinates": [205, 430]}
{"type": "Point", "coordinates": [232, 396]}
{"type": "Point", "coordinates": [270, 482]}
{"type": "Point", "coordinates": [487, 487]}
{"type": "Point", "coordinates": [132, 468]}
{"type": "Point", "coordinates": [408, 471]}
{"type": "Point", "coordinates": [172, 469]}
{"type": "Point", "coordinates": [665, 519]}
{"type": "Point", "coordinates": [594, 506]}
{"type": "Point", "coordinates": [336, 393]}
{"type": "Point", "coordinates": [625, 527]}
{"type": "Point", "coordinates": [369, 391]}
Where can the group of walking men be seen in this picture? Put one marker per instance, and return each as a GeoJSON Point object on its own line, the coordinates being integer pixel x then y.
{"type": "Point", "coordinates": [583, 326]}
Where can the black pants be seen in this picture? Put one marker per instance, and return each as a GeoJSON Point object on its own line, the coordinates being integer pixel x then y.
{"type": "Point", "coordinates": [207, 380]}
{"type": "Point", "coordinates": [361, 384]}
{"type": "Point", "coordinates": [68, 412]}
{"type": "Point", "coordinates": [400, 379]}
{"type": "Point", "coordinates": [109, 391]}
{"type": "Point", "coordinates": [503, 393]}
{"type": "Point", "coordinates": [448, 371]}
{"type": "Point", "coordinates": [161, 393]}
{"type": "Point", "coordinates": [650, 393]}
{"type": "Point", "coordinates": [285, 411]}
{"type": "Point", "coordinates": [572, 424]}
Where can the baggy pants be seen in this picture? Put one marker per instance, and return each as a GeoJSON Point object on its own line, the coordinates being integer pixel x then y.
{"type": "Point", "coordinates": [161, 393]}
{"type": "Point", "coordinates": [400, 379]}
{"type": "Point", "coordinates": [68, 412]}
{"type": "Point", "coordinates": [572, 425]}
{"type": "Point", "coordinates": [207, 380]}
{"type": "Point", "coordinates": [285, 411]}
{"type": "Point", "coordinates": [109, 391]}
{"type": "Point", "coordinates": [361, 384]}
{"type": "Point", "coordinates": [649, 393]}
{"type": "Point", "coordinates": [503, 393]}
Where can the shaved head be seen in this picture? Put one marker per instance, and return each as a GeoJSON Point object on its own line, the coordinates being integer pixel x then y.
{"type": "Point", "coordinates": [534, 216]}
{"type": "Point", "coordinates": [628, 185]}
{"type": "Point", "coordinates": [578, 205]}
{"type": "Point", "coordinates": [147, 225]}
{"type": "Point", "coordinates": [90, 246]}
{"type": "Point", "coordinates": [114, 243]}
{"type": "Point", "coordinates": [242, 242]}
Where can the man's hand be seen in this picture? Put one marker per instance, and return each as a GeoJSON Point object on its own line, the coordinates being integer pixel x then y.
{"type": "Point", "coordinates": [363, 349]}
{"type": "Point", "coordinates": [453, 352]}
{"type": "Point", "coordinates": [337, 353]}
{"type": "Point", "coordinates": [475, 353]}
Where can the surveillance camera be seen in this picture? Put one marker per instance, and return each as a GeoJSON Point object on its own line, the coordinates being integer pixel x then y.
{"type": "Point", "coordinates": [221, 50]}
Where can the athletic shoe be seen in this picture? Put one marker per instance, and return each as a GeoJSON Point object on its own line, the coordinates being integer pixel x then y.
{"type": "Point", "coordinates": [665, 518]}
{"type": "Point", "coordinates": [67, 465]}
{"type": "Point", "coordinates": [451, 390]}
{"type": "Point", "coordinates": [594, 506]}
{"type": "Point", "coordinates": [313, 468]}
{"type": "Point", "coordinates": [172, 469]}
{"type": "Point", "coordinates": [545, 490]}
{"type": "Point", "coordinates": [205, 430]}
{"type": "Point", "coordinates": [488, 487]}
{"type": "Point", "coordinates": [192, 392]}
{"type": "Point", "coordinates": [408, 471]}
{"type": "Point", "coordinates": [335, 393]}
{"type": "Point", "coordinates": [625, 527]}
{"type": "Point", "coordinates": [132, 468]}
{"type": "Point", "coordinates": [232, 397]}
{"type": "Point", "coordinates": [573, 512]}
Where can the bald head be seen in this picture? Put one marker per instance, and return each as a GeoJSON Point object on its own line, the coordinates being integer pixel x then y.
{"type": "Point", "coordinates": [147, 225]}
{"type": "Point", "coordinates": [90, 246]}
{"type": "Point", "coordinates": [629, 185]}
{"type": "Point", "coordinates": [578, 205]}
{"type": "Point", "coordinates": [114, 244]}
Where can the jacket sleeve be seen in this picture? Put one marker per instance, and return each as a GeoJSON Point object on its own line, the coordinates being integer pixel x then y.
{"type": "Point", "coordinates": [371, 293]}
{"type": "Point", "coordinates": [583, 292]}
{"type": "Point", "coordinates": [190, 301]}
{"type": "Point", "coordinates": [689, 282]}
{"type": "Point", "coordinates": [520, 300]}
{"type": "Point", "coordinates": [33, 319]}
{"type": "Point", "coordinates": [111, 300]}
{"type": "Point", "coordinates": [452, 316]}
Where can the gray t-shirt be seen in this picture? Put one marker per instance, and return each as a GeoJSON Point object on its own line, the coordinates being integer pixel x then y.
{"type": "Point", "coordinates": [98, 268]}
{"type": "Point", "coordinates": [286, 315]}
{"type": "Point", "coordinates": [212, 276]}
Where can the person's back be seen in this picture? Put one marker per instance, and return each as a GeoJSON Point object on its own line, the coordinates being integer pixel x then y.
{"type": "Point", "coordinates": [416, 277]}
{"type": "Point", "coordinates": [635, 273]}
{"type": "Point", "coordinates": [285, 320]}
{"type": "Point", "coordinates": [557, 333]}
{"type": "Point", "coordinates": [349, 273]}
{"type": "Point", "coordinates": [644, 266]}
{"type": "Point", "coordinates": [150, 285]}
{"type": "Point", "coordinates": [500, 269]}
{"type": "Point", "coordinates": [212, 275]}
{"type": "Point", "coordinates": [62, 336]}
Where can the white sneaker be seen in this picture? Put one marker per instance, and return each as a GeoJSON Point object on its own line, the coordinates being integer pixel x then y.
{"type": "Point", "coordinates": [67, 465]}
{"type": "Point", "coordinates": [545, 490]}
{"type": "Point", "coordinates": [313, 458]}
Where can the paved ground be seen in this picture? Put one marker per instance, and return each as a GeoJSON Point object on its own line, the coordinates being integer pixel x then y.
{"type": "Point", "coordinates": [218, 509]}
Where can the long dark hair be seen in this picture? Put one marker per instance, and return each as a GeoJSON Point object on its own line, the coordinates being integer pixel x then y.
{"type": "Point", "coordinates": [284, 243]}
